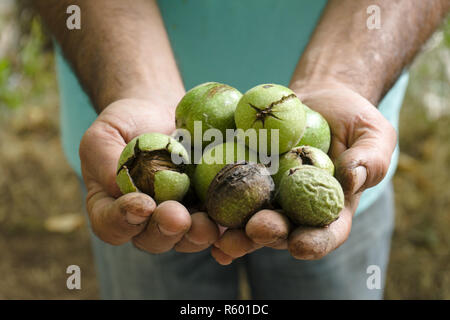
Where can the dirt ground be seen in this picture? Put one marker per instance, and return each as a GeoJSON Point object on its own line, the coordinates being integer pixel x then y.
{"type": "Point", "coordinates": [42, 228]}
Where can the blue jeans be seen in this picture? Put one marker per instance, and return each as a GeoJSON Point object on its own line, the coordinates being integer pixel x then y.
{"type": "Point", "coordinates": [125, 272]}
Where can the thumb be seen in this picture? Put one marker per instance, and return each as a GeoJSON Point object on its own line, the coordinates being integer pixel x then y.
{"type": "Point", "coordinates": [365, 163]}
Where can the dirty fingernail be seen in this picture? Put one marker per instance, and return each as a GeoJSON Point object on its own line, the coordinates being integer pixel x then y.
{"type": "Point", "coordinates": [189, 238]}
{"type": "Point", "coordinates": [134, 219]}
{"type": "Point", "coordinates": [168, 232]}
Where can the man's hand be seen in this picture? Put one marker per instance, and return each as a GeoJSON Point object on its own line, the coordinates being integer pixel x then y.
{"type": "Point", "coordinates": [345, 70]}
{"type": "Point", "coordinates": [362, 144]}
{"type": "Point", "coordinates": [118, 57]}
{"type": "Point", "coordinates": [135, 217]}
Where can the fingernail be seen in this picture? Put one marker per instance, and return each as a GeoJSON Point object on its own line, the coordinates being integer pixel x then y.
{"type": "Point", "coordinates": [134, 219]}
{"type": "Point", "coordinates": [360, 175]}
{"type": "Point", "coordinates": [197, 243]}
{"type": "Point", "coordinates": [168, 232]}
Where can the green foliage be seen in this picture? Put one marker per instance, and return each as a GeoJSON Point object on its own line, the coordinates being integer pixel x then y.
{"type": "Point", "coordinates": [29, 74]}
{"type": "Point", "coordinates": [447, 32]}
{"type": "Point", "coordinates": [10, 98]}
{"type": "Point", "coordinates": [31, 55]}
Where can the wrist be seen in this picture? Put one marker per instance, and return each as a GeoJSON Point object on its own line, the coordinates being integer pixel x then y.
{"type": "Point", "coordinates": [307, 87]}
{"type": "Point", "coordinates": [147, 110]}
{"type": "Point", "coordinates": [370, 88]}
{"type": "Point", "coordinates": [162, 95]}
{"type": "Point", "coordinates": [318, 69]}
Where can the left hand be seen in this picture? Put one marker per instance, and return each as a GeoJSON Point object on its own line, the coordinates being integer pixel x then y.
{"type": "Point", "coordinates": [135, 217]}
{"type": "Point", "coordinates": [362, 144]}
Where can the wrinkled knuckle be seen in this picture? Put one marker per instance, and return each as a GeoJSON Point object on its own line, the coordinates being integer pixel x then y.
{"type": "Point", "coordinates": [136, 203]}
{"type": "Point", "coordinates": [305, 253]}
{"type": "Point", "coordinates": [308, 248]}
{"type": "Point", "coordinates": [268, 232]}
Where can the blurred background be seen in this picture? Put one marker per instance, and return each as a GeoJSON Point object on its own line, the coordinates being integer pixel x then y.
{"type": "Point", "coordinates": [42, 226]}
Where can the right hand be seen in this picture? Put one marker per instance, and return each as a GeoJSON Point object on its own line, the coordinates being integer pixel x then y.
{"type": "Point", "coordinates": [362, 145]}
{"type": "Point", "coordinates": [116, 218]}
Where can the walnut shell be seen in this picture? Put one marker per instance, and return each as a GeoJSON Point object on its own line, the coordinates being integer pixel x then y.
{"type": "Point", "coordinates": [310, 196]}
{"type": "Point", "coordinates": [237, 192]}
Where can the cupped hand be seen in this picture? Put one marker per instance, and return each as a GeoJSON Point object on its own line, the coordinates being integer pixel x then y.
{"type": "Point", "coordinates": [116, 218]}
{"type": "Point", "coordinates": [361, 148]}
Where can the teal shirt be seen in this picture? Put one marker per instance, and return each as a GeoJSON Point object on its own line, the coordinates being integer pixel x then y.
{"type": "Point", "coordinates": [240, 43]}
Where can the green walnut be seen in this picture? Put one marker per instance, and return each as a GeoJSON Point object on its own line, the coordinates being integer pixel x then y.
{"type": "Point", "coordinates": [310, 196]}
{"type": "Point", "coordinates": [272, 106]}
{"type": "Point", "coordinates": [212, 104]}
{"type": "Point", "coordinates": [237, 192]}
{"type": "Point", "coordinates": [213, 160]}
{"type": "Point", "coordinates": [146, 165]}
{"type": "Point", "coordinates": [317, 133]}
{"type": "Point", "coordinates": [303, 155]}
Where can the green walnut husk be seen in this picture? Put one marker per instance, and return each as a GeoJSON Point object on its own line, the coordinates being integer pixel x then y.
{"type": "Point", "coordinates": [211, 103]}
{"type": "Point", "coordinates": [272, 106]}
{"type": "Point", "coordinates": [310, 196]}
{"type": "Point", "coordinates": [213, 160]}
{"type": "Point", "coordinates": [317, 133]}
{"type": "Point", "coordinates": [145, 165]}
{"type": "Point", "coordinates": [237, 192]}
{"type": "Point", "coordinates": [303, 155]}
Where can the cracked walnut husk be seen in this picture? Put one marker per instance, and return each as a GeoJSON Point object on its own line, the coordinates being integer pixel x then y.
{"type": "Point", "coordinates": [154, 163]}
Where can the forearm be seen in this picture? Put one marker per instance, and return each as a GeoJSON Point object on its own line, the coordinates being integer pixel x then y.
{"type": "Point", "coordinates": [343, 49]}
{"type": "Point", "coordinates": [121, 51]}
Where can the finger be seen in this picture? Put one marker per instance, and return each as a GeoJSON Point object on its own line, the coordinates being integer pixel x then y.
{"type": "Point", "coordinates": [117, 221]}
{"type": "Point", "coordinates": [281, 244]}
{"type": "Point", "coordinates": [99, 151]}
{"type": "Point", "coordinates": [221, 257]}
{"type": "Point", "coordinates": [168, 224]}
{"type": "Point", "coordinates": [309, 243]}
{"type": "Point", "coordinates": [268, 227]}
{"type": "Point", "coordinates": [201, 235]}
{"type": "Point", "coordinates": [235, 243]}
{"type": "Point", "coordinates": [367, 161]}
